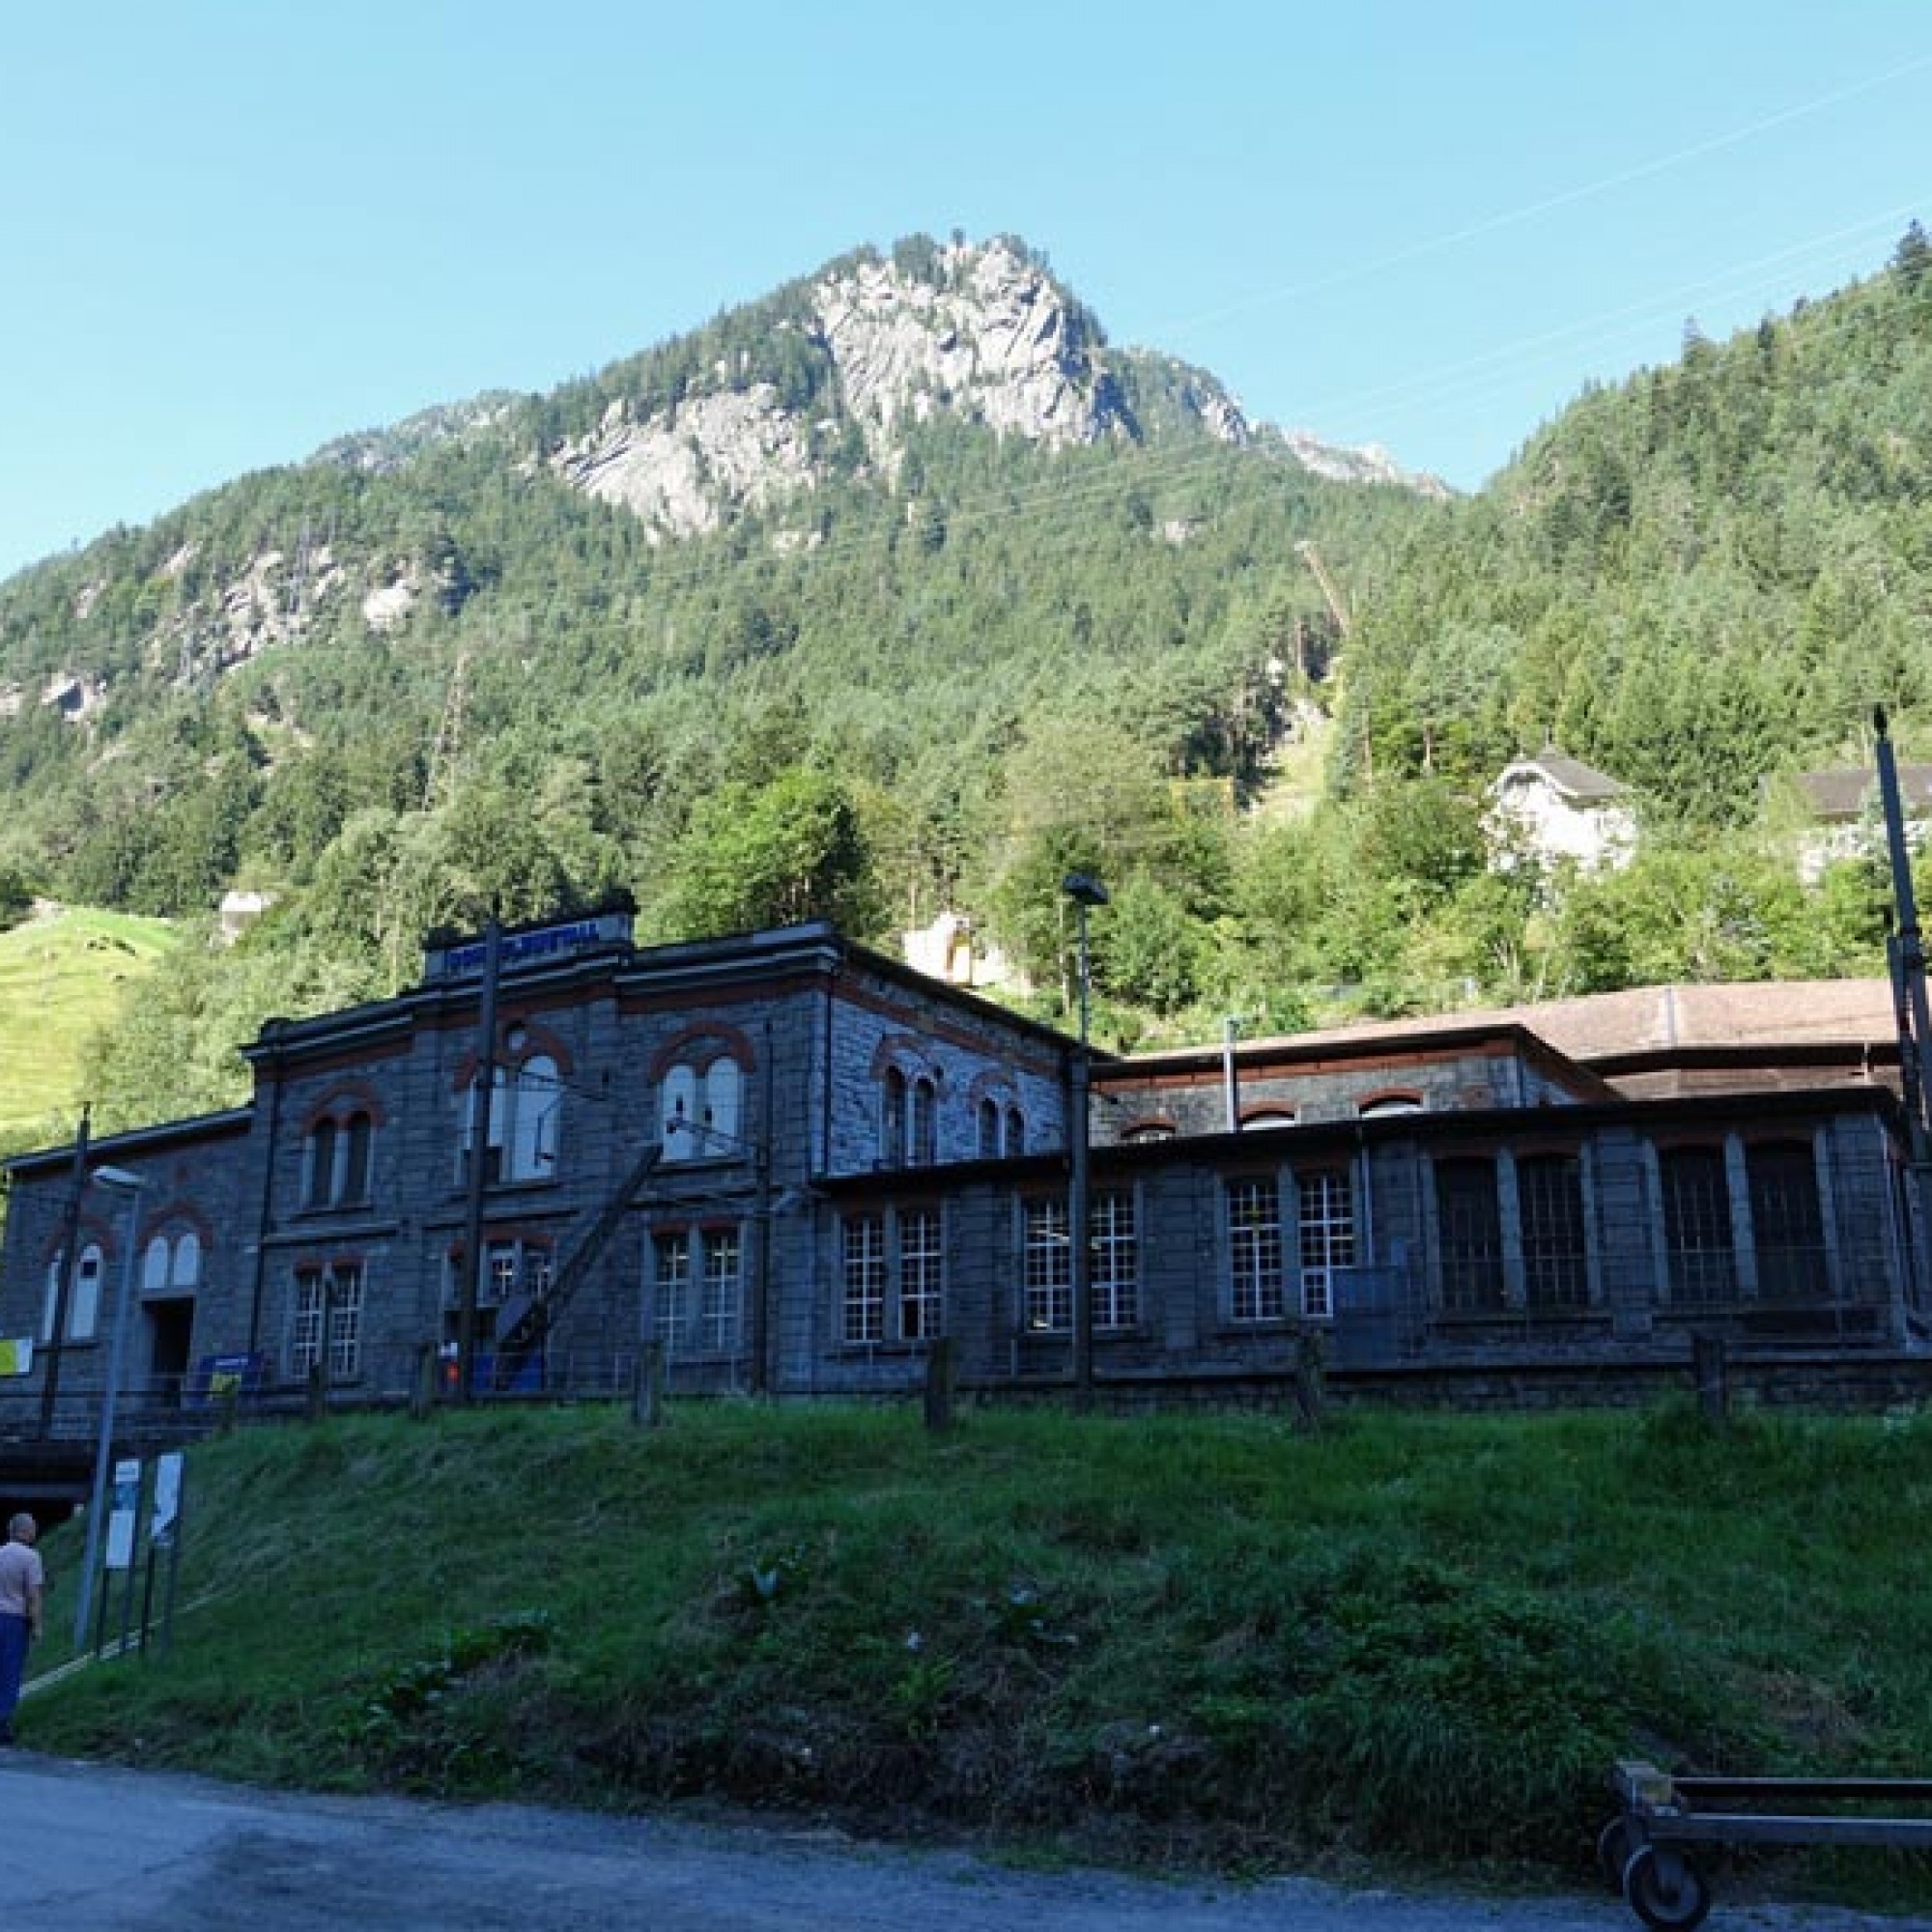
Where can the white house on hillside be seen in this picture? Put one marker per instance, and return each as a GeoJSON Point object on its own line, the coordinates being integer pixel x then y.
{"type": "Point", "coordinates": [1843, 804]}
{"type": "Point", "coordinates": [1555, 808]}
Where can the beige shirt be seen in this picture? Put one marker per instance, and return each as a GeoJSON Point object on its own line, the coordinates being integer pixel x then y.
{"type": "Point", "coordinates": [22, 1577]}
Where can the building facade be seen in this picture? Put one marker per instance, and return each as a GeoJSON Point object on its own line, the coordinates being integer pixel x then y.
{"type": "Point", "coordinates": [784, 1164]}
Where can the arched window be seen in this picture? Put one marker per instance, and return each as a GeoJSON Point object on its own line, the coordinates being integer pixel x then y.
{"type": "Point", "coordinates": [703, 1113]}
{"type": "Point", "coordinates": [319, 1186]}
{"type": "Point", "coordinates": [925, 1148]}
{"type": "Point", "coordinates": [358, 1141]}
{"type": "Point", "coordinates": [1266, 1118]}
{"type": "Point", "coordinates": [83, 1302]}
{"type": "Point", "coordinates": [535, 1100]}
{"type": "Point", "coordinates": [338, 1157]}
{"type": "Point", "coordinates": [892, 1119]}
{"type": "Point", "coordinates": [724, 1094]}
{"type": "Point", "coordinates": [1015, 1131]}
{"type": "Point", "coordinates": [680, 1114]}
{"type": "Point", "coordinates": [989, 1129]}
{"type": "Point", "coordinates": [1384, 1104]}
{"type": "Point", "coordinates": [171, 1265]}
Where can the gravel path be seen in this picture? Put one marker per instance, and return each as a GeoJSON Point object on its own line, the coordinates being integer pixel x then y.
{"type": "Point", "coordinates": [94, 1849]}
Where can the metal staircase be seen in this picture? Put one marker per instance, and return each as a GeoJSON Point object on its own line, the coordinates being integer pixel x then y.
{"type": "Point", "coordinates": [526, 1320]}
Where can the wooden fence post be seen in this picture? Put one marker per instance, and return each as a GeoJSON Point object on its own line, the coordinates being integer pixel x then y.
{"type": "Point", "coordinates": [939, 1384]}
{"type": "Point", "coordinates": [647, 1403]}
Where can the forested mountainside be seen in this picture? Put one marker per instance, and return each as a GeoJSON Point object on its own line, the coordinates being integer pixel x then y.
{"type": "Point", "coordinates": [902, 592]}
{"type": "Point", "coordinates": [1705, 575]}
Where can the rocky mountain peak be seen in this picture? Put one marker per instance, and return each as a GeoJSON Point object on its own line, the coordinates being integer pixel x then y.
{"type": "Point", "coordinates": [979, 331]}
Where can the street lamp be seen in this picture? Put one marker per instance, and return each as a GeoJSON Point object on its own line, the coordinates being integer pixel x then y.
{"type": "Point", "coordinates": [118, 1181]}
{"type": "Point", "coordinates": [1086, 892]}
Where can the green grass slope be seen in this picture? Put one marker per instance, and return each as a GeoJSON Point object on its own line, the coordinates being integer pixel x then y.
{"type": "Point", "coordinates": [1398, 1641]}
{"type": "Point", "coordinates": [62, 976]}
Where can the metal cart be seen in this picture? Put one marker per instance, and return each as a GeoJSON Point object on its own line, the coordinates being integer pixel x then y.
{"type": "Point", "coordinates": [1644, 1850]}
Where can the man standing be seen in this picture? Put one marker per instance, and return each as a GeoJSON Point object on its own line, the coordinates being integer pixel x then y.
{"type": "Point", "coordinates": [23, 1584]}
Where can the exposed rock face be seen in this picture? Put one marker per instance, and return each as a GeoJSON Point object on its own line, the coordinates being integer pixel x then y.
{"type": "Point", "coordinates": [732, 451]}
{"type": "Point", "coordinates": [988, 336]}
{"type": "Point", "coordinates": [981, 333]}
{"type": "Point", "coordinates": [1371, 462]}
{"type": "Point", "coordinates": [994, 341]}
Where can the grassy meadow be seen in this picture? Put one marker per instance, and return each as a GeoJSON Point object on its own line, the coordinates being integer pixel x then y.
{"type": "Point", "coordinates": [62, 977]}
{"type": "Point", "coordinates": [1400, 1642]}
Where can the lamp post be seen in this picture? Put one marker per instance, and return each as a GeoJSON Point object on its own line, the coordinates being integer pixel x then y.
{"type": "Point", "coordinates": [1086, 892]}
{"type": "Point", "coordinates": [118, 1181]}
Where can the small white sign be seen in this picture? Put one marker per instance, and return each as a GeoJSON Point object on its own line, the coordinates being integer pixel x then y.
{"type": "Point", "coordinates": [167, 1499]}
{"type": "Point", "coordinates": [126, 1507]}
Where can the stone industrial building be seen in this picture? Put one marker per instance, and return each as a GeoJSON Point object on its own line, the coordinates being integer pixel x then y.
{"type": "Point", "coordinates": [794, 1165]}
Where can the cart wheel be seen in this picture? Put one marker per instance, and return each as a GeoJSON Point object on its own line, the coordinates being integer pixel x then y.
{"type": "Point", "coordinates": [1615, 1843]}
{"type": "Point", "coordinates": [1666, 1889]}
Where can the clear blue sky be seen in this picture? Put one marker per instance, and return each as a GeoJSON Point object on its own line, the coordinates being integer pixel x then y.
{"type": "Point", "coordinates": [232, 229]}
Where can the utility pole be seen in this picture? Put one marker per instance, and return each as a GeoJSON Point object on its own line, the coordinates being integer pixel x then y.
{"type": "Point", "coordinates": [1086, 892]}
{"type": "Point", "coordinates": [63, 1283]}
{"type": "Point", "coordinates": [1906, 953]}
{"type": "Point", "coordinates": [482, 1100]}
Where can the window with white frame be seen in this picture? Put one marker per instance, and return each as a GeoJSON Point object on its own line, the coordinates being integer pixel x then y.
{"type": "Point", "coordinates": [672, 1282]}
{"type": "Point", "coordinates": [1046, 1267]}
{"type": "Point", "coordinates": [702, 1111]}
{"type": "Point", "coordinates": [864, 1277]}
{"type": "Point", "coordinates": [723, 1307]}
{"type": "Point", "coordinates": [908, 1119]}
{"type": "Point", "coordinates": [521, 1129]}
{"type": "Point", "coordinates": [893, 1276]}
{"type": "Point", "coordinates": [171, 1264]}
{"type": "Point", "coordinates": [922, 1274]}
{"type": "Point", "coordinates": [1326, 1207]}
{"type": "Point", "coordinates": [327, 1325]}
{"type": "Point", "coordinates": [1254, 1250]}
{"type": "Point", "coordinates": [1115, 1274]}
{"type": "Point", "coordinates": [83, 1302]}
{"type": "Point", "coordinates": [699, 1291]}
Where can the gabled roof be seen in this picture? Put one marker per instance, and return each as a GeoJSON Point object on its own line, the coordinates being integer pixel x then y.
{"type": "Point", "coordinates": [1844, 792]}
{"type": "Point", "coordinates": [1570, 776]}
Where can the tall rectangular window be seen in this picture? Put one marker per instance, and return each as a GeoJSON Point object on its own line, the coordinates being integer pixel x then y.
{"type": "Point", "coordinates": [672, 1283]}
{"type": "Point", "coordinates": [1697, 1226]}
{"type": "Point", "coordinates": [83, 1307]}
{"type": "Point", "coordinates": [864, 1278]}
{"type": "Point", "coordinates": [1325, 1208]}
{"type": "Point", "coordinates": [1787, 1223]}
{"type": "Point", "coordinates": [1549, 1209]}
{"type": "Point", "coordinates": [1253, 1251]}
{"type": "Point", "coordinates": [1048, 1261]}
{"type": "Point", "coordinates": [1116, 1261]}
{"type": "Point", "coordinates": [1469, 1235]}
{"type": "Point", "coordinates": [724, 1292]}
{"type": "Point", "coordinates": [922, 1276]}
{"type": "Point", "coordinates": [327, 1323]}
{"type": "Point", "coordinates": [345, 1322]}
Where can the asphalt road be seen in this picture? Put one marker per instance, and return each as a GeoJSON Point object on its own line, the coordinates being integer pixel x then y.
{"type": "Point", "coordinates": [85, 1848]}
